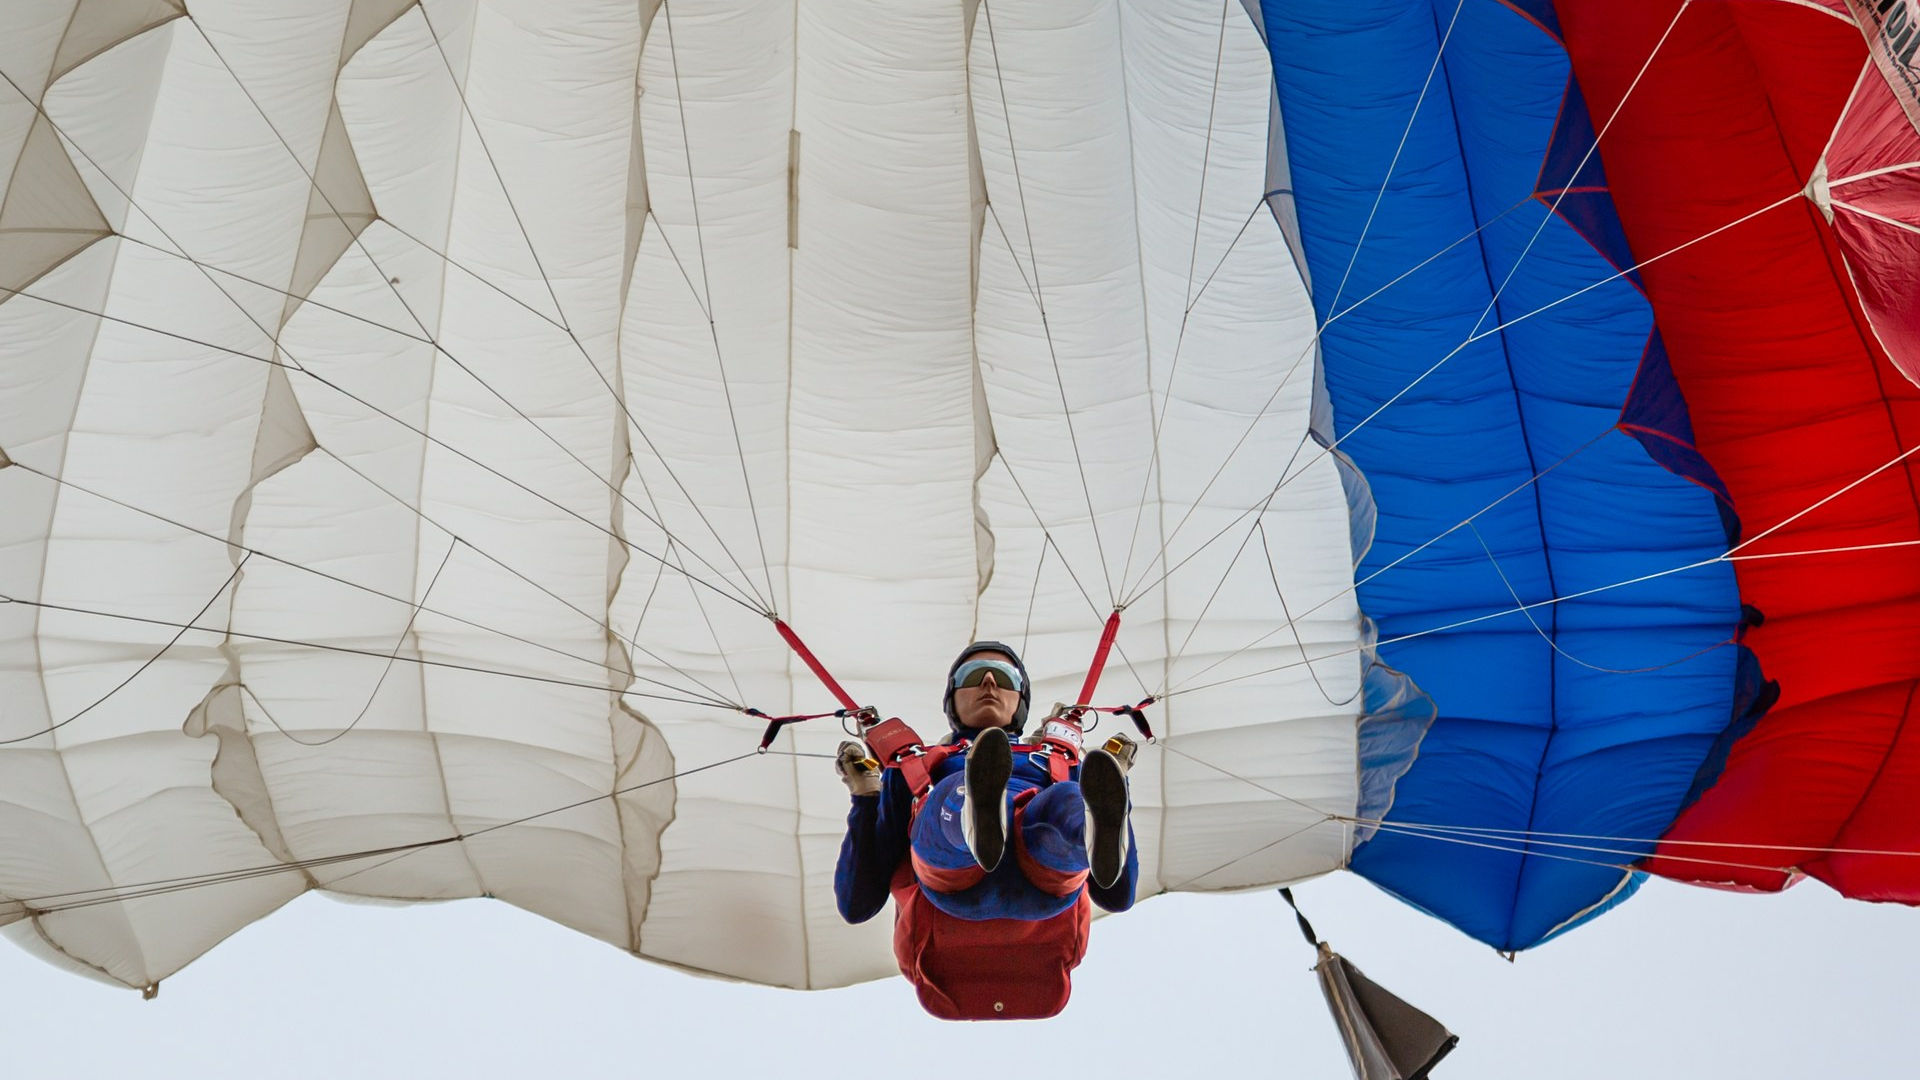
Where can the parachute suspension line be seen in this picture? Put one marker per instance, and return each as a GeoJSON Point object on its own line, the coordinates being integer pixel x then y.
{"type": "Point", "coordinates": [232, 545]}
{"type": "Point", "coordinates": [1542, 837]}
{"type": "Point", "coordinates": [1731, 555]}
{"type": "Point", "coordinates": [686, 143]}
{"type": "Point", "coordinates": [1542, 309]}
{"type": "Point", "coordinates": [305, 301]}
{"type": "Point", "coordinates": [1790, 519]}
{"type": "Point", "coordinates": [398, 643]}
{"type": "Point", "coordinates": [1324, 815]}
{"type": "Point", "coordinates": [1305, 351]}
{"type": "Point", "coordinates": [550, 501]}
{"type": "Point", "coordinates": [656, 516]}
{"type": "Point", "coordinates": [1588, 156]}
{"type": "Point", "coordinates": [1555, 645]}
{"type": "Point", "coordinates": [466, 110]}
{"type": "Point", "coordinates": [1824, 551]}
{"type": "Point", "coordinates": [1244, 856]}
{"type": "Point", "coordinates": [1092, 606]}
{"type": "Point", "coordinates": [1213, 595]}
{"type": "Point", "coordinates": [1206, 156]}
{"type": "Point", "coordinates": [1018, 266]}
{"type": "Point", "coordinates": [765, 603]}
{"type": "Point", "coordinates": [85, 898]}
{"type": "Point", "coordinates": [699, 601]}
{"type": "Point", "coordinates": [1424, 545]}
{"type": "Point", "coordinates": [137, 672]}
{"type": "Point", "coordinates": [1273, 575]}
{"type": "Point", "coordinates": [713, 330]}
{"type": "Point", "coordinates": [1475, 334]}
{"type": "Point", "coordinates": [477, 276]}
{"type": "Point", "coordinates": [205, 271]}
{"type": "Point", "coordinates": [217, 631]}
{"type": "Point", "coordinates": [1380, 196]}
{"type": "Point", "coordinates": [1046, 327]}
{"type": "Point", "coordinates": [1188, 301]}
{"type": "Point", "coordinates": [1509, 849]}
{"type": "Point", "coordinates": [1530, 849]}
{"type": "Point", "coordinates": [693, 289]}
{"type": "Point", "coordinates": [1457, 624]}
{"type": "Point", "coordinates": [653, 518]}
{"type": "Point", "coordinates": [713, 635]}
{"type": "Point", "coordinates": [602, 624]}
{"type": "Point", "coordinates": [292, 363]}
{"type": "Point", "coordinates": [1039, 568]}
{"type": "Point", "coordinates": [313, 182]}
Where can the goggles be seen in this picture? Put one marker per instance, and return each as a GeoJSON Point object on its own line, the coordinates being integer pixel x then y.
{"type": "Point", "coordinates": [974, 672]}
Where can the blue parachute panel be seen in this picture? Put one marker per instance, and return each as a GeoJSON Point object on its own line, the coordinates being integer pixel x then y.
{"type": "Point", "coordinates": [1548, 722]}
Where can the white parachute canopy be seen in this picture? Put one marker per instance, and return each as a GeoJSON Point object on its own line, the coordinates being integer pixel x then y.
{"type": "Point", "coordinates": [413, 411]}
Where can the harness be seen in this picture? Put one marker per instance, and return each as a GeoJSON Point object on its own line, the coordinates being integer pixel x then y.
{"type": "Point", "coordinates": [966, 969]}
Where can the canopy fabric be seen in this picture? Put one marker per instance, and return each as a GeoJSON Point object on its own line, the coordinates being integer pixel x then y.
{"type": "Point", "coordinates": [474, 378]}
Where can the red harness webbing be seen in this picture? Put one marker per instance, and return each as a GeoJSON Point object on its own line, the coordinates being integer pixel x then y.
{"type": "Point", "coordinates": [1099, 660]}
{"type": "Point", "coordinates": [812, 661]}
{"type": "Point", "coordinates": [897, 746]}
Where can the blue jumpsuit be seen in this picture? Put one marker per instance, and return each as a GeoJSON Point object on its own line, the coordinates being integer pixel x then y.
{"type": "Point", "coordinates": [1046, 853]}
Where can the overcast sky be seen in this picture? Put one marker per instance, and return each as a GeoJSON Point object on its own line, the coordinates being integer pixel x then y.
{"type": "Point", "coordinates": [1678, 982]}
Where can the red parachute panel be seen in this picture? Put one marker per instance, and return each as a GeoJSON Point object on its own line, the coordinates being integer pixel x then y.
{"type": "Point", "coordinates": [1771, 325]}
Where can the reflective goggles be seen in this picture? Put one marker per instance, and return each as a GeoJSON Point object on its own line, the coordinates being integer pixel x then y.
{"type": "Point", "coordinates": [974, 672]}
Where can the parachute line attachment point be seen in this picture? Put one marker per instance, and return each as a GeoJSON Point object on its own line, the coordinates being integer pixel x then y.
{"type": "Point", "coordinates": [866, 715]}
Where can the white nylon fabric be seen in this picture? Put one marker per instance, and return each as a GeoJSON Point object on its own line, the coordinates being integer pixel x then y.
{"type": "Point", "coordinates": [471, 375]}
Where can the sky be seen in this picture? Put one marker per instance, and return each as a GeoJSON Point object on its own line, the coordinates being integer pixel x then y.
{"type": "Point", "coordinates": [1677, 982]}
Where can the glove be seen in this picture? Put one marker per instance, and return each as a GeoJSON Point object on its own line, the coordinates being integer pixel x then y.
{"type": "Point", "coordinates": [1123, 750]}
{"type": "Point", "coordinates": [859, 772]}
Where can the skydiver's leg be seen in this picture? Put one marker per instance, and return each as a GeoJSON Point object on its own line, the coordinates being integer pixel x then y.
{"type": "Point", "coordinates": [939, 846]}
{"type": "Point", "coordinates": [1049, 829]}
{"type": "Point", "coordinates": [1103, 784]}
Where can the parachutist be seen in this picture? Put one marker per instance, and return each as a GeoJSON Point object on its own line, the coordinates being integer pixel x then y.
{"type": "Point", "coordinates": [981, 935]}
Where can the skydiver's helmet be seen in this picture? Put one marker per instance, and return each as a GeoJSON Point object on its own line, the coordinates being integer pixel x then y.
{"type": "Point", "coordinates": [1026, 688]}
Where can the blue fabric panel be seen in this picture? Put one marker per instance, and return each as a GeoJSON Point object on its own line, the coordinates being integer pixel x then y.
{"type": "Point", "coordinates": [1572, 178]}
{"type": "Point", "coordinates": [1534, 733]}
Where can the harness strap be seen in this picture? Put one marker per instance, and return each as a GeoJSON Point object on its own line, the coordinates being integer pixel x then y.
{"type": "Point", "coordinates": [1099, 659]}
{"type": "Point", "coordinates": [775, 723]}
{"type": "Point", "coordinates": [1132, 712]}
{"type": "Point", "coordinates": [812, 661]}
{"type": "Point", "coordinates": [848, 707]}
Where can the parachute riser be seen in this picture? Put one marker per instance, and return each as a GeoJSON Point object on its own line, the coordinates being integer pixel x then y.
{"type": "Point", "coordinates": [868, 718]}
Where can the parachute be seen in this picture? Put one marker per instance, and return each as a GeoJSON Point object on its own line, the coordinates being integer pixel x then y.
{"type": "Point", "coordinates": [437, 436]}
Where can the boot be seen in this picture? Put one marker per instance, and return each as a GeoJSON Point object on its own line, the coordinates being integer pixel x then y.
{"type": "Point", "coordinates": [1103, 784]}
{"type": "Point", "coordinates": [983, 815]}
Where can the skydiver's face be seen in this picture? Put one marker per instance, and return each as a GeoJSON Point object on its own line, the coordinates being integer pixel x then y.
{"type": "Point", "coordinates": [988, 705]}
